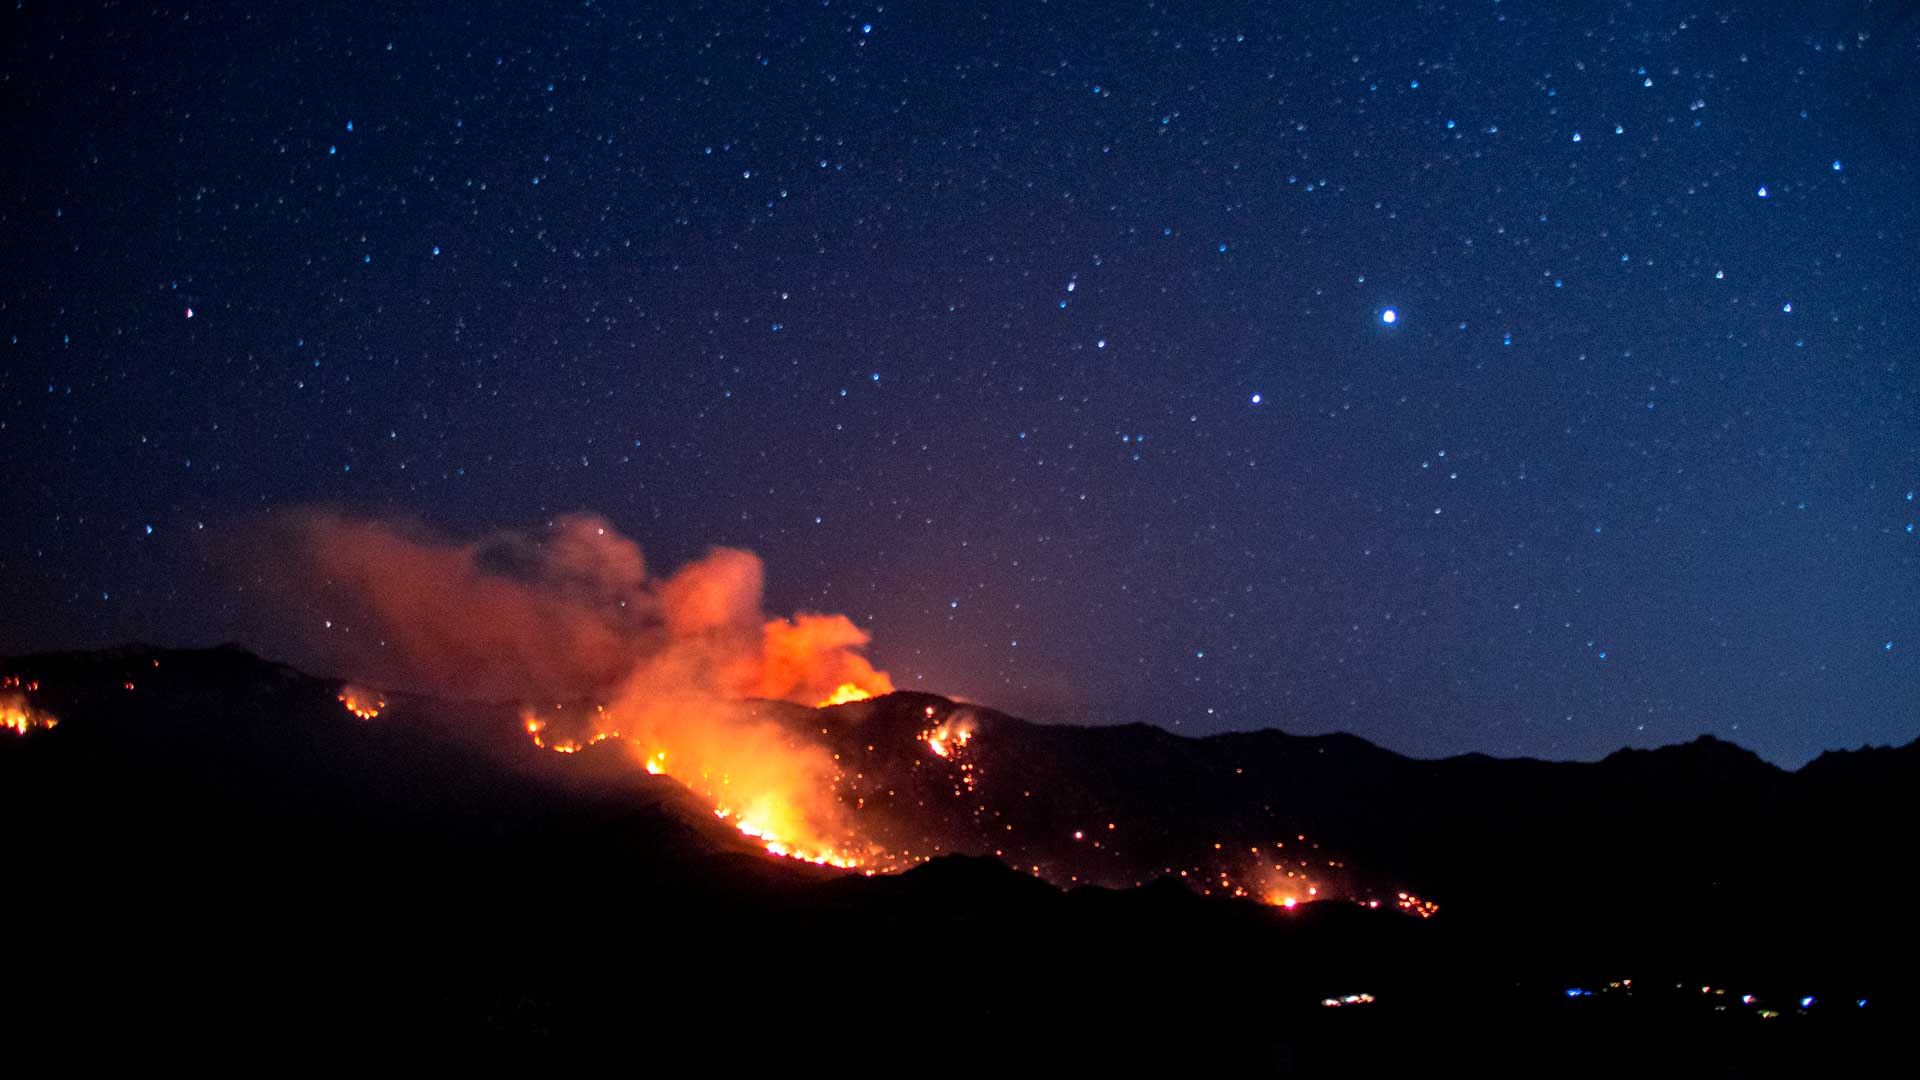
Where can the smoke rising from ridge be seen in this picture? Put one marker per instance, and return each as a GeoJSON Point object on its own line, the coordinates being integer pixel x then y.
{"type": "Point", "coordinates": [567, 611]}
{"type": "Point", "coordinates": [571, 612]}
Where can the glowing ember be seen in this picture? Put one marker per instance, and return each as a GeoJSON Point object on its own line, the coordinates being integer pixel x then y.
{"type": "Point", "coordinates": [845, 693]}
{"type": "Point", "coordinates": [362, 703]}
{"type": "Point", "coordinates": [1416, 906]}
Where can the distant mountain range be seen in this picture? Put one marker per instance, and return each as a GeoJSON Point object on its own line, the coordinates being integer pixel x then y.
{"type": "Point", "coordinates": [211, 840]}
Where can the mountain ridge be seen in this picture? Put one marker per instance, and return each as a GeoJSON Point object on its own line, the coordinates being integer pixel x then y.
{"type": "Point", "coordinates": [202, 822]}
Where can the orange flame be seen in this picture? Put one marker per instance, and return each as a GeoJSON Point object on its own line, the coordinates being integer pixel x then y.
{"type": "Point", "coordinates": [19, 717]}
{"type": "Point", "coordinates": [571, 610]}
{"type": "Point", "coordinates": [1413, 905]}
{"type": "Point", "coordinates": [844, 693]}
{"type": "Point", "coordinates": [361, 703]}
{"type": "Point", "coordinates": [949, 737]}
{"type": "Point", "coordinates": [773, 794]}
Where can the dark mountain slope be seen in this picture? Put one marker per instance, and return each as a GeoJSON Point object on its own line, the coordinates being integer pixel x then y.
{"type": "Point", "coordinates": [222, 860]}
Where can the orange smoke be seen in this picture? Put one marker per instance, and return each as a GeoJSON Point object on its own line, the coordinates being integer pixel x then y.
{"type": "Point", "coordinates": [811, 658]}
{"type": "Point", "coordinates": [570, 612]}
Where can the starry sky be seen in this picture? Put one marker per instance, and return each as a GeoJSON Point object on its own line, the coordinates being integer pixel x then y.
{"type": "Point", "coordinates": [1491, 376]}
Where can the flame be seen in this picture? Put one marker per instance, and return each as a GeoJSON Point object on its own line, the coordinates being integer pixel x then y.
{"type": "Point", "coordinates": [362, 703]}
{"type": "Point", "coordinates": [948, 738]}
{"type": "Point", "coordinates": [16, 713]}
{"type": "Point", "coordinates": [571, 611]}
{"type": "Point", "coordinates": [758, 796]}
{"type": "Point", "coordinates": [788, 794]}
{"type": "Point", "coordinates": [20, 717]}
{"type": "Point", "coordinates": [845, 693]}
{"type": "Point", "coordinates": [1413, 905]}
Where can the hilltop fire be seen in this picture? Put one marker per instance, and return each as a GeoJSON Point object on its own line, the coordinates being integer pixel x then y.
{"type": "Point", "coordinates": [362, 703]}
{"type": "Point", "coordinates": [17, 714]}
{"type": "Point", "coordinates": [947, 739]}
{"type": "Point", "coordinates": [20, 717]}
{"type": "Point", "coordinates": [571, 612]}
{"type": "Point", "coordinates": [1413, 905]}
{"type": "Point", "coordinates": [780, 723]}
{"type": "Point", "coordinates": [766, 781]}
{"type": "Point", "coordinates": [833, 813]}
{"type": "Point", "coordinates": [844, 694]}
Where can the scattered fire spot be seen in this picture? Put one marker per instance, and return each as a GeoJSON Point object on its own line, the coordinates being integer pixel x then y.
{"type": "Point", "coordinates": [1416, 906]}
{"type": "Point", "coordinates": [784, 818]}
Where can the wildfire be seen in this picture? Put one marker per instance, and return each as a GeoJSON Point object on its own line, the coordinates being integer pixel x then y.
{"type": "Point", "coordinates": [20, 717]}
{"type": "Point", "coordinates": [949, 738]}
{"type": "Point", "coordinates": [16, 714]}
{"type": "Point", "coordinates": [765, 816]}
{"type": "Point", "coordinates": [845, 693]}
{"type": "Point", "coordinates": [536, 730]}
{"type": "Point", "coordinates": [797, 798]}
{"type": "Point", "coordinates": [361, 703]}
{"type": "Point", "coordinates": [1414, 905]}
{"type": "Point", "coordinates": [750, 826]}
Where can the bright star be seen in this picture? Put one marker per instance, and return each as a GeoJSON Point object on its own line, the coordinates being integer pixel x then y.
{"type": "Point", "coordinates": [1389, 316]}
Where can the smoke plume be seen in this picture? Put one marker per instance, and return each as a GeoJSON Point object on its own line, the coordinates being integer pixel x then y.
{"type": "Point", "coordinates": [570, 612]}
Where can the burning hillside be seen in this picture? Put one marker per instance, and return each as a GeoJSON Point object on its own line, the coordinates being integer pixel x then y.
{"type": "Point", "coordinates": [441, 871]}
{"type": "Point", "coordinates": [923, 776]}
{"type": "Point", "coordinates": [779, 723]}
{"type": "Point", "coordinates": [913, 777]}
{"type": "Point", "coordinates": [17, 711]}
{"type": "Point", "coordinates": [572, 613]}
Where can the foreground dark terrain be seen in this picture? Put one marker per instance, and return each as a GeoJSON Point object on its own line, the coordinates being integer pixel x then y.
{"type": "Point", "coordinates": [210, 857]}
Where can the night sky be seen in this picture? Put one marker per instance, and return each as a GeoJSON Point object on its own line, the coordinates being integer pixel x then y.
{"type": "Point", "coordinates": [1470, 377]}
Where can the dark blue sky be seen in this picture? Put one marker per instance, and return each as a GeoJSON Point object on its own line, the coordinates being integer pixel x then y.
{"type": "Point", "coordinates": [1049, 344]}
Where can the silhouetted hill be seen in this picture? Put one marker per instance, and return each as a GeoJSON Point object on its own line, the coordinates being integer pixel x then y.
{"type": "Point", "coordinates": [1704, 833]}
{"type": "Point", "coordinates": [210, 854]}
